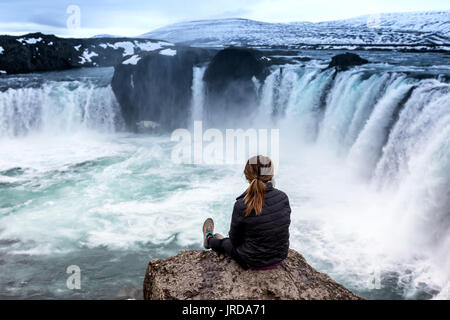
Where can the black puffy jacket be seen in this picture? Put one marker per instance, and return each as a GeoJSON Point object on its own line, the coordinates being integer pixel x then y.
{"type": "Point", "coordinates": [263, 239]}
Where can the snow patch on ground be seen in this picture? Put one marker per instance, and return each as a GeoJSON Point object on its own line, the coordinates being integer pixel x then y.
{"type": "Point", "coordinates": [131, 48]}
{"type": "Point", "coordinates": [77, 47]}
{"type": "Point", "coordinates": [1, 50]}
{"type": "Point", "coordinates": [86, 57]}
{"type": "Point", "coordinates": [29, 40]}
{"type": "Point", "coordinates": [127, 46]}
{"type": "Point", "coordinates": [168, 52]}
{"type": "Point", "coordinates": [2, 72]}
{"type": "Point", "coordinates": [132, 60]}
{"type": "Point", "coordinates": [151, 46]}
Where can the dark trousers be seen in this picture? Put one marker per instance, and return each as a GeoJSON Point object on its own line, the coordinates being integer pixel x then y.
{"type": "Point", "coordinates": [224, 246]}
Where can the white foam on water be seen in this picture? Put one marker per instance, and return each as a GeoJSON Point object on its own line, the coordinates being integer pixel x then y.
{"type": "Point", "coordinates": [86, 209]}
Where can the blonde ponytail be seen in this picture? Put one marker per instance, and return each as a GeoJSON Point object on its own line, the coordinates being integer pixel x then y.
{"type": "Point", "coordinates": [258, 171]}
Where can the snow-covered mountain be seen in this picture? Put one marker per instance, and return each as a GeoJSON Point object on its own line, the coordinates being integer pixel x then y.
{"type": "Point", "coordinates": [421, 30]}
{"type": "Point", "coordinates": [106, 36]}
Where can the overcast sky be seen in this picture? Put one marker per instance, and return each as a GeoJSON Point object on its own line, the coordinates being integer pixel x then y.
{"type": "Point", "coordinates": [135, 17]}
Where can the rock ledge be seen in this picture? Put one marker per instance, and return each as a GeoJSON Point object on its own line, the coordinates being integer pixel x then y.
{"type": "Point", "coordinates": [205, 275]}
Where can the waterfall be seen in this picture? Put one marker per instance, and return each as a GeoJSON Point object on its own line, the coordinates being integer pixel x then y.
{"type": "Point", "coordinates": [416, 160]}
{"type": "Point", "coordinates": [390, 129]}
{"type": "Point", "coordinates": [58, 107]}
{"type": "Point", "coordinates": [392, 132]}
{"type": "Point", "coordinates": [374, 119]}
{"type": "Point", "coordinates": [366, 150]}
{"type": "Point", "coordinates": [198, 93]}
{"type": "Point", "coordinates": [426, 114]}
{"type": "Point", "coordinates": [369, 180]}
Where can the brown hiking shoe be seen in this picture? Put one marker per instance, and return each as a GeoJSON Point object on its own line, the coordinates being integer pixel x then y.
{"type": "Point", "coordinates": [208, 229]}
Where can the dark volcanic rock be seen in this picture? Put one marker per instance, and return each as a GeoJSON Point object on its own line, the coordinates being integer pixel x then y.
{"type": "Point", "coordinates": [198, 274]}
{"type": "Point", "coordinates": [47, 54]}
{"type": "Point", "coordinates": [344, 61]}
{"type": "Point", "coordinates": [37, 52]}
{"type": "Point", "coordinates": [231, 92]}
{"type": "Point", "coordinates": [156, 92]}
{"type": "Point", "coordinates": [302, 59]}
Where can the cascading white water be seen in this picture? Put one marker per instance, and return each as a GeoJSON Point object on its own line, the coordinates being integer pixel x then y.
{"type": "Point", "coordinates": [198, 93]}
{"type": "Point", "coordinates": [426, 111]}
{"type": "Point", "coordinates": [58, 107]}
{"type": "Point", "coordinates": [371, 91]}
{"type": "Point", "coordinates": [391, 133]}
{"type": "Point", "coordinates": [365, 152]}
{"type": "Point", "coordinates": [357, 114]}
{"type": "Point", "coordinates": [416, 161]}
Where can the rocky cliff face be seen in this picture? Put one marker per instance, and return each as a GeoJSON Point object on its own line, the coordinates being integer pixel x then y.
{"type": "Point", "coordinates": [198, 274]}
{"type": "Point", "coordinates": [156, 88]}
{"type": "Point", "coordinates": [346, 60]}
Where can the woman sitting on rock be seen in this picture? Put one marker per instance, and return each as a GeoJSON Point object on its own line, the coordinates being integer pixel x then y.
{"type": "Point", "coordinates": [259, 231]}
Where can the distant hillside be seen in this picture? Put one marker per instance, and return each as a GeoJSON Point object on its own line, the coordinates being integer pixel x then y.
{"type": "Point", "coordinates": [36, 52]}
{"type": "Point", "coordinates": [106, 36]}
{"type": "Point", "coordinates": [417, 30]}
